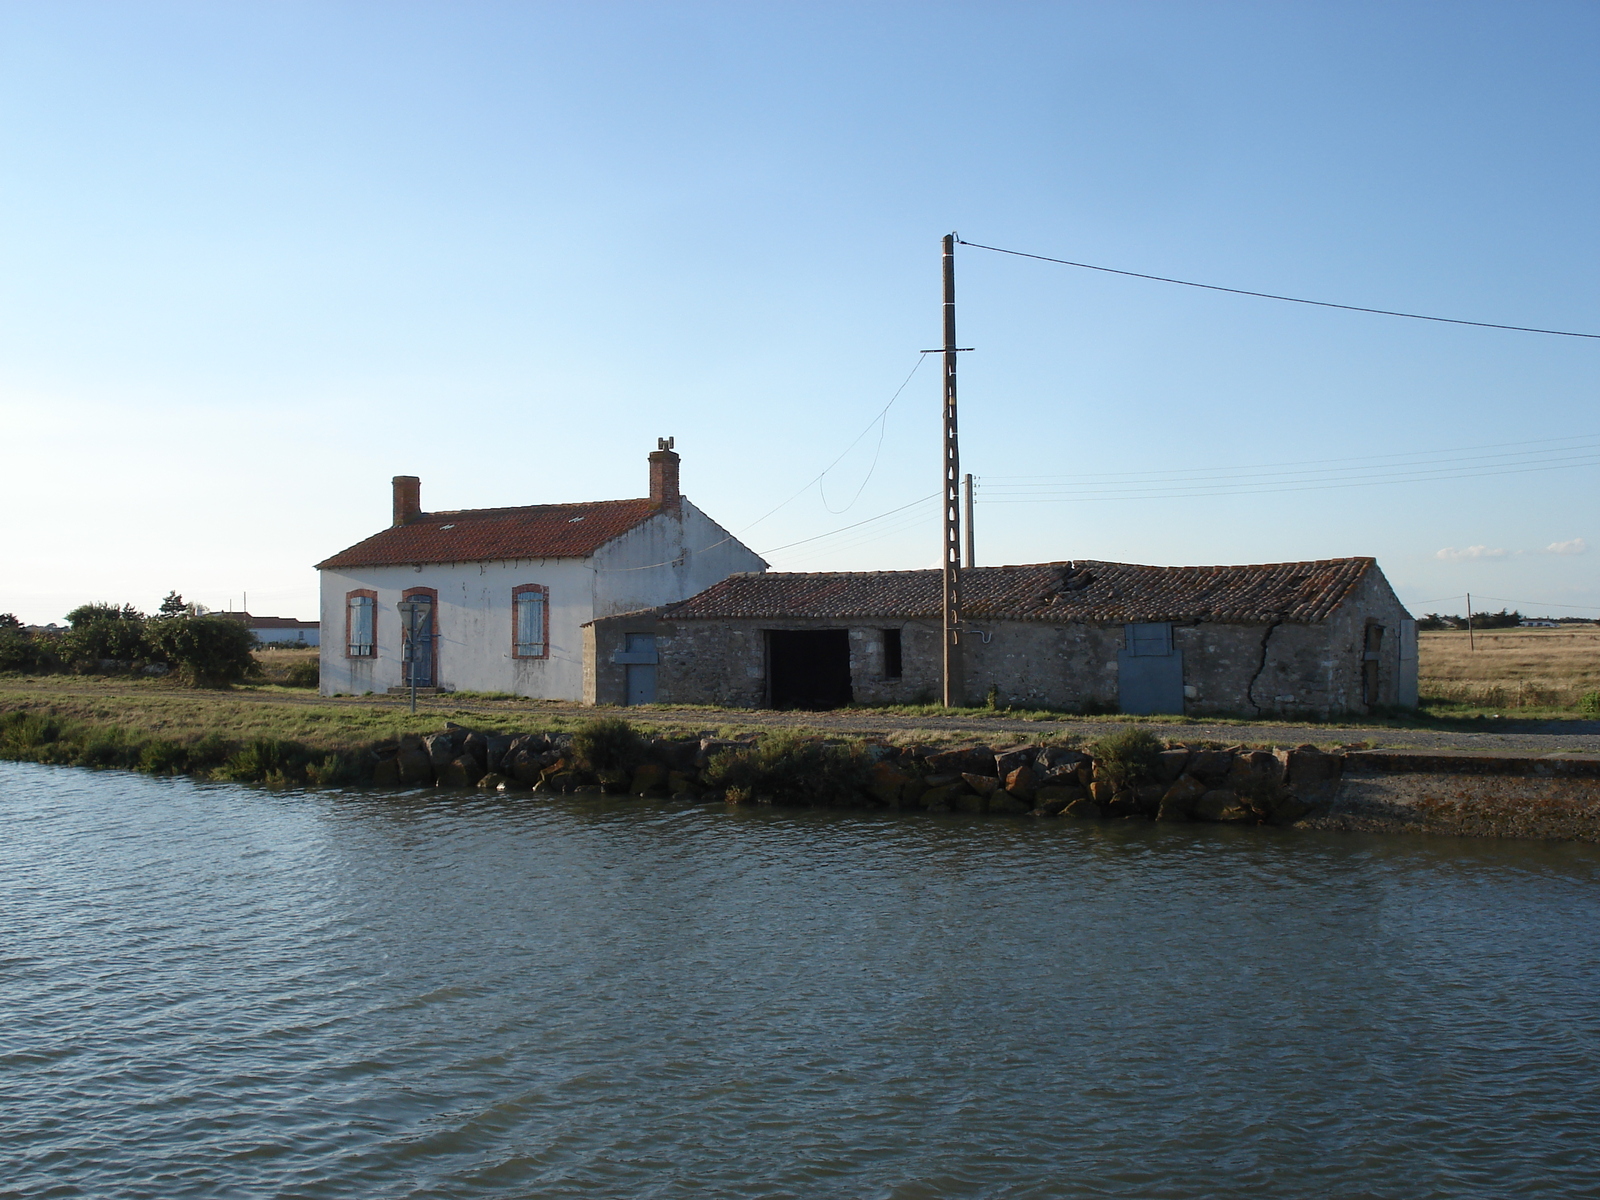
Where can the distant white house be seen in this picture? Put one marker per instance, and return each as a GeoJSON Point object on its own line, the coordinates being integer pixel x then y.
{"type": "Point", "coordinates": [507, 590]}
{"type": "Point", "coordinates": [277, 631]}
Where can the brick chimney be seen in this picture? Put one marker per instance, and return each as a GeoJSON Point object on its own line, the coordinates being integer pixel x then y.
{"type": "Point", "coordinates": [664, 475]}
{"type": "Point", "coordinates": [407, 499]}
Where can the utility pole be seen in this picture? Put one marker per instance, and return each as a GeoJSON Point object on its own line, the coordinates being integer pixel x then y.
{"type": "Point", "coordinates": [971, 559]}
{"type": "Point", "coordinates": [1470, 645]}
{"type": "Point", "coordinates": [954, 676]}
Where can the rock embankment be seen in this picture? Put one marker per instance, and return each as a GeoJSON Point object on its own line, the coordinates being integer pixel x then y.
{"type": "Point", "coordinates": [1170, 783]}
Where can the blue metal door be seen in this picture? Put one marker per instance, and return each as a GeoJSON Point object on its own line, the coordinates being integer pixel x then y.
{"type": "Point", "coordinates": [1149, 670]}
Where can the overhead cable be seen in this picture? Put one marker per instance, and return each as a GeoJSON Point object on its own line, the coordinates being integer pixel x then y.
{"type": "Point", "coordinates": [1214, 287]}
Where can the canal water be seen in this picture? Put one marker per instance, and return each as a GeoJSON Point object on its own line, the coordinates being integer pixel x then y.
{"type": "Point", "coordinates": [223, 991]}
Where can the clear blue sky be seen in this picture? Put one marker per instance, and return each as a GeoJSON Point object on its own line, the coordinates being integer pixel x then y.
{"type": "Point", "coordinates": [257, 258]}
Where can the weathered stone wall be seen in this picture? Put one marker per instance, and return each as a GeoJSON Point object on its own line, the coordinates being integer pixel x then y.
{"type": "Point", "coordinates": [1465, 794]}
{"type": "Point", "coordinates": [1291, 669]}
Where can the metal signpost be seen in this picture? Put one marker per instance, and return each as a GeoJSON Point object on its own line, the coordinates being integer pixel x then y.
{"type": "Point", "coordinates": [409, 610]}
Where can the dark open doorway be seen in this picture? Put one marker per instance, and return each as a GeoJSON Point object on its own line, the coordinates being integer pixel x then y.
{"type": "Point", "coordinates": [809, 668]}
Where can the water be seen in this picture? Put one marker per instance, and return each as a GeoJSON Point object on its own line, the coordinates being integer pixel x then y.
{"type": "Point", "coordinates": [212, 990]}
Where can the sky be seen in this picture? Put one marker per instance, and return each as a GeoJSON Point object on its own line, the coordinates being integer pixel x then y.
{"type": "Point", "coordinates": [258, 258]}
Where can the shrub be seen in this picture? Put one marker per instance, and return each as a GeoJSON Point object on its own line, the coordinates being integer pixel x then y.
{"type": "Point", "coordinates": [162, 757]}
{"type": "Point", "coordinates": [789, 768]}
{"type": "Point", "coordinates": [209, 651]}
{"type": "Point", "coordinates": [105, 631]}
{"type": "Point", "coordinates": [607, 744]}
{"type": "Point", "coordinates": [272, 760]}
{"type": "Point", "coordinates": [1589, 703]}
{"type": "Point", "coordinates": [23, 651]}
{"type": "Point", "coordinates": [307, 674]}
{"type": "Point", "coordinates": [1128, 755]}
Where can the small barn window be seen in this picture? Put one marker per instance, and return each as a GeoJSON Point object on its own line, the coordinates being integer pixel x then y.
{"type": "Point", "coordinates": [361, 624]}
{"type": "Point", "coordinates": [530, 621]}
{"type": "Point", "coordinates": [1151, 639]}
{"type": "Point", "coordinates": [891, 654]}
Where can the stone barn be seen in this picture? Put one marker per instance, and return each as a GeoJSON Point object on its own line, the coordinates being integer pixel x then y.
{"type": "Point", "coordinates": [1305, 639]}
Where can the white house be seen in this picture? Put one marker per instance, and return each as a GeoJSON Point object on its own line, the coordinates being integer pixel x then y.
{"type": "Point", "coordinates": [507, 590]}
{"type": "Point", "coordinates": [277, 631]}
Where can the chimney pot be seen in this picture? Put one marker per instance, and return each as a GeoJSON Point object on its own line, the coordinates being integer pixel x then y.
{"type": "Point", "coordinates": [664, 476]}
{"type": "Point", "coordinates": [407, 499]}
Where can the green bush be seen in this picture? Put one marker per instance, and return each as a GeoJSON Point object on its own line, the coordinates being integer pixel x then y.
{"type": "Point", "coordinates": [789, 768]}
{"type": "Point", "coordinates": [208, 651]}
{"type": "Point", "coordinates": [1589, 703]}
{"type": "Point", "coordinates": [25, 652]}
{"type": "Point", "coordinates": [1127, 756]}
{"type": "Point", "coordinates": [105, 631]}
{"type": "Point", "coordinates": [608, 744]}
{"type": "Point", "coordinates": [270, 760]}
{"type": "Point", "coordinates": [306, 674]}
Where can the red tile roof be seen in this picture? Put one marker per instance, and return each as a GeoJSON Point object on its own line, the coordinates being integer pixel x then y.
{"type": "Point", "coordinates": [488, 534]}
{"type": "Point", "coordinates": [1061, 591]}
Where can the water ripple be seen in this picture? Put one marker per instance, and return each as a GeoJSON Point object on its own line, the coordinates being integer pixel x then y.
{"type": "Point", "coordinates": [218, 991]}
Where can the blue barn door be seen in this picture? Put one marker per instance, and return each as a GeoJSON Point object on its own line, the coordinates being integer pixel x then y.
{"type": "Point", "coordinates": [1149, 670]}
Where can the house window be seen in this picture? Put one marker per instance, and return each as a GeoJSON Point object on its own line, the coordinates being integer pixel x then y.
{"type": "Point", "coordinates": [530, 621]}
{"type": "Point", "coordinates": [361, 624]}
{"type": "Point", "coordinates": [891, 654]}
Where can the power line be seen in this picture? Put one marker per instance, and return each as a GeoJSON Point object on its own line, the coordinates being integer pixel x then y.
{"type": "Point", "coordinates": [1181, 490]}
{"type": "Point", "coordinates": [1213, 287]}
{"type": "Point", "coordinates": [842, 529]}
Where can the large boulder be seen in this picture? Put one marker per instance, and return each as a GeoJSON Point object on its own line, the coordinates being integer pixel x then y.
{"type": "Point", "coordinates": [1051, 799]}
{"type": "Point", "coordinates": [888, 782]}
{"type": "Point", "coordinates": [1082, 808]}
{"type": "Point", "coordinates": [983, 785]}
{"type": "Point", "coordinates": [460, 772]}
{"type": "Point", "coordinates": [1210, 766]}
{"type": "Point", "coordinates": [1009, 760]}
{"type": "Point", "coordinates": [477, 745]}
{"type": "Point", "coordinates": [1022, 783]}
{"type": "Point", "coordinates": [1172, 764]}
{"type": "Point", "coordinates": [1309, 771]}
{"type": "Point", "coordinates": [1221, 804]}
{"type": "Point", "coordinates": [963, 760]}
{"type": "Point", "coordinates": [494, 750]}
{"type": "Point", "coordinates": [441, 749]}
{"type": "Point", "coordinates": [942, 798]}
{"type": "Point", "coordinates": [1178, 801]}
{"type": "Point", "coordinates": [414, 762]}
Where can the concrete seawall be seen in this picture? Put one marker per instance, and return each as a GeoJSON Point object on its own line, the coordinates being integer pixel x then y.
{"type": "Point", "coordinates": [1464, 793]}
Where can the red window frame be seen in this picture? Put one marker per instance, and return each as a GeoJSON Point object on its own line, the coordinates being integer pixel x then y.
{"type": "Point", "coordinates": [523, 589]}
{"type": "Point", "coordinates": [433, 629]}
{"type": "Point", "coordinates": [355, 594]}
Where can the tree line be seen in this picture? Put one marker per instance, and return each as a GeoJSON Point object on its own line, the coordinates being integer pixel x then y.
{"type": "Point", "coordinates": [205, 650]}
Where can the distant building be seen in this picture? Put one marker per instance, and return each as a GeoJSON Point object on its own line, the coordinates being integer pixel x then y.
{"type": "Point", "coordinates": [276, 631]}
{"type": "Point", "coordinates": [508, 590]}
{"type": "Point", "coordinates": [1306, 639]}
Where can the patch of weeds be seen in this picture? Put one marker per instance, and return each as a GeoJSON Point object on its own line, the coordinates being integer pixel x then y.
{"type": "Point", "coordinates": [790, 768]}
{"type": "Point", "coordinates": [608, 744]}
{"type": "Point", "coordinates": [1127, 755]}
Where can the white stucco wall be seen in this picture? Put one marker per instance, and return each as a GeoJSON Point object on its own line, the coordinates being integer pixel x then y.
{"type": "Point", "coordinates": [666, 559]}
{"type": "Point", "coordinates": [669, 557]}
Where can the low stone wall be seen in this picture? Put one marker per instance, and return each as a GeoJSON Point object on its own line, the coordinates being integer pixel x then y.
{"type": "Point", "coordinates": [1465, 793]}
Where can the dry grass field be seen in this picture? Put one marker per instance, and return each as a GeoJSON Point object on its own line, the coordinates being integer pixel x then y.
{"type": "Point", "coordinates": [1552, 669]}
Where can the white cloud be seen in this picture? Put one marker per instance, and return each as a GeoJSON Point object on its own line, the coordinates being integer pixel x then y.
{"type": "Point", "coordinates": [1575, 546]}
{"type": "Point", "coordinates": [1451, 554]}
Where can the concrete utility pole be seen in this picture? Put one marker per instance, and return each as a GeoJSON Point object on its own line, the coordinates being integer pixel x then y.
{"type": "Point", "coordinates": [971, 559]}
{"type": "Point", "coordinates": [954, 676]}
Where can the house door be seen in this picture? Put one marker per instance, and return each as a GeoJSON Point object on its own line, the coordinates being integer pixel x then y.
{"type": "Point", "coordinates": [1149, 670]}
{"type": "Point", "coordinates": [640, 652]}
{"type": "Point", "coordinates": [418, 661]}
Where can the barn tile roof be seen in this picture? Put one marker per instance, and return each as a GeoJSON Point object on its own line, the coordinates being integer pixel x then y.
{"type": "Point", "coordinates": [489, 534]}
{"type": "Point", "coordinates": [1059, 591]}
